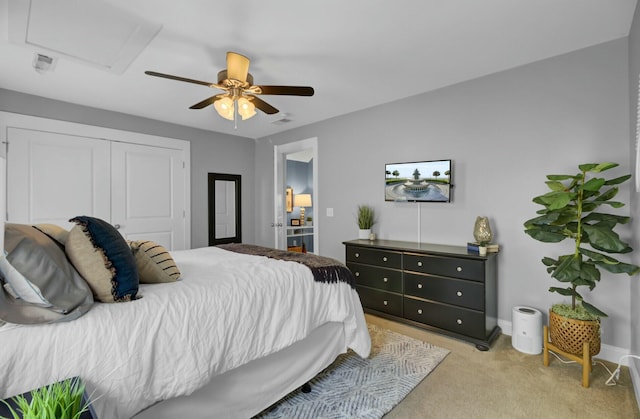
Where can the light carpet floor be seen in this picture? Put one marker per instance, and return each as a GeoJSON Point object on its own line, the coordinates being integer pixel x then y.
{"type": "Point", "coordinates": [353, 387]}
{"type": "Point", "coordinates": [506, 383]}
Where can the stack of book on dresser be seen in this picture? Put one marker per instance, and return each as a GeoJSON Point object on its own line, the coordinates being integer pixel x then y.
{"type": "Point", "coordinates": [474, 247]}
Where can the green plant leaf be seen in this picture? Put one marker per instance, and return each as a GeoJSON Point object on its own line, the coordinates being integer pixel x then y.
{"type": "Point", "coordinates": [604, 238]}
{"type": "Point", "coordinates": [620, 267]}
{"type": "Point", "coordinates": [554, 200]}
{"type": "Point", "coordinates": [567, 292]}
{"type": "Point", "coordinates": [587, 167]}
{"type": "Point", "coordinates": [618, 180]}
{"type": "Point", "coordinates": [562, 177]}
{"type": "Point", "coordinates": [596, 216]}
{"type": "Point", "coordinates": [547, 235]}
{"type": "Point", "coordinates": [608, 194]}
{"type": "Point", "coordinates": [568, 269]}
{"type": "Point", "coordinates": [554, 185]}
{"type": "Point", "coordinates": [593, 310]}
{"type": "Point", "coordinates": [593, 184]}
{"type": "Point", "coordinates": [597, 168]}
{"type": "Point", "coordinates": [546, 218]}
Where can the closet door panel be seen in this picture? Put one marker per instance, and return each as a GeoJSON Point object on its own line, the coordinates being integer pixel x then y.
{"type": "Point", "coordinates": [148, 194]}
{"type": "Point", "coordinates": [52, 177]}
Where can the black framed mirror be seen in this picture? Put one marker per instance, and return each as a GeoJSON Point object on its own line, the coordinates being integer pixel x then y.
{"type": "Point", "coordinates": [225, 222]}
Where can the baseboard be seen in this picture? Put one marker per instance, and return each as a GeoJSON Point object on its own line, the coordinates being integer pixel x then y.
{"type": "Point", "coordinates": [635, 380]}
{"type": "Point", "coordinates": [607, 352]}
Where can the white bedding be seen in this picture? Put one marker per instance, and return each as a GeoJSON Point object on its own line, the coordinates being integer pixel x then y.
{"type": "Point", "coordinates": [229, 309]}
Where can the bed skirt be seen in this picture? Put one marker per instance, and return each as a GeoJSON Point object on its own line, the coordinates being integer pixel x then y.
{"type": "Point", "coordinates": [251, 388]}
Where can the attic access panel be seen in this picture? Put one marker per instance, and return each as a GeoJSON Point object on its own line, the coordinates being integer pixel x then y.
{"type": "Point", "coordinates": [90, 31]}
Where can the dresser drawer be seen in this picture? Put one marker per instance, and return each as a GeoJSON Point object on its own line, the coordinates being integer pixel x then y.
{"type": "Point", "coordinates": [380, 300]}
{"type": "Point", "coordinates": [460, 292]}
{"type": "Point", "coordinates": [385, 258]}
{"type": "Point", "coordinates": [446, 266]}
{"type": "Point", "coordinates": [376, 277]}
{"type": "Point", "coordinates": [460, 320]}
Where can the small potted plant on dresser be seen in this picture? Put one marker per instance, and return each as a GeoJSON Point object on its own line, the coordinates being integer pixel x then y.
{"type": "Point", "coordinates": [366, 220]}
{"type": "Point", "coordinates": [570, 211]}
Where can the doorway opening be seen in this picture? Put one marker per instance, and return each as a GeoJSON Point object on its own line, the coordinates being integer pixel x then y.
{"type": "Point", "coordinates": [296, 196]}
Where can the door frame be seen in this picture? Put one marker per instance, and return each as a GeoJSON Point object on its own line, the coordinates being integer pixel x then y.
{"type": "Point", "coordinates": [279, 181]}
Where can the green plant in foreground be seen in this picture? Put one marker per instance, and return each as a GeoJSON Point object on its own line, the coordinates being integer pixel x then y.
{"type": "Point", "coordinates": [570, 212]}
{"type": "Point", "coordinates": [366, 217]}
{"type": "Point", "coordinates": [61, 400]}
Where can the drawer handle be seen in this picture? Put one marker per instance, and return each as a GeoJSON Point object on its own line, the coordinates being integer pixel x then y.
{"type": "Point", "coordinates": [357, 273]}
{"type": "Point", "coordinates": [419, 263]}
{"type": "Point", "coordinates": [385, 302]}
{"type": "Point", "coordinates": [459, 321]}
{"type": "Point", "coordinates": [385, 279]}
{"type": "Point", "coordinates": [419, 311]}
{"type": "Point", "coordinates": [459, 293]}
{"type": "Point", "coordinates": [357, 255]}
{"type": "Point", "coordinates": [384, 259]}
{"type": "Point", "coordinates": [459, 269]}
{"type": "Point", "coordinates": [420, 286]}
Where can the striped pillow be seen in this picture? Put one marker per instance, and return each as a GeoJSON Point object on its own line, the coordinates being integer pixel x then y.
{"type": "Point", "coordinates": [154, 262]}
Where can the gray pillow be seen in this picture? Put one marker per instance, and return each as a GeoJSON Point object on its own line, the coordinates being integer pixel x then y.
{"type": "Point", "coordinates": [41, 261]}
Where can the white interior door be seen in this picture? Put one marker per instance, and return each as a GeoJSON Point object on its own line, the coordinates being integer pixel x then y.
{"type": "Point", "coordinates": [53, 177]}
{"type": "Point", "coordinates": [148, 194]}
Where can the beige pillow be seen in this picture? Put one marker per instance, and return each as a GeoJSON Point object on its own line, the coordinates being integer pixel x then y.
{"type": "Point", "coordinates": [54, 231]}
{"type": "Point", "coordinates": [154, 262]}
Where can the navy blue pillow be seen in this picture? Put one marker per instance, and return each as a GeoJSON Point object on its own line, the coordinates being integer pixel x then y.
{"type": "Point", "coordinates": [103, 258]}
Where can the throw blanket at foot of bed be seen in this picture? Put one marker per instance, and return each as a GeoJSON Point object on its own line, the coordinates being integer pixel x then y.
{"type": "Point", "coordinates": [324, 269]}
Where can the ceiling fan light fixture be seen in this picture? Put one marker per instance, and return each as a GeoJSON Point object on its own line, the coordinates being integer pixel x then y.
{"type": "Point", "coordinates": [246, 108]}
{"type": "Point", "coordinates": [225, 107]}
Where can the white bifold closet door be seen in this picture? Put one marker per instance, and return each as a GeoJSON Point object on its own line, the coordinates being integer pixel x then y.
{"type": "Point", "coordinates": [52, 177]}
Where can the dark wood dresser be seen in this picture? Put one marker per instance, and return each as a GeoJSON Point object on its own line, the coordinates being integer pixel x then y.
{"type": "Point", "coordinates": [441, 288]}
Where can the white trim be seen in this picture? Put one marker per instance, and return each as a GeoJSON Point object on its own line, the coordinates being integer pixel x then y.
{"type": "Point", "coordinates": [8, 119]}
{"type": "Point", "coordinates": [607, 352]}
{"type": "Point", "coordinates": [635, 380]}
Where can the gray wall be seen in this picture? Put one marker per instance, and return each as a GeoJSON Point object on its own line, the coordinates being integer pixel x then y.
{"type": "Point", "coordinates": [634, 72]}
{"type": "Point", "coordinates": [504, 132]}
{"type": "Point", "coordinates": [210, 151]}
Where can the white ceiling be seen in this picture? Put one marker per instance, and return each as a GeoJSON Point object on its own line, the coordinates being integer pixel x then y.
{"type": "Point", "coordinates": [355, 53]}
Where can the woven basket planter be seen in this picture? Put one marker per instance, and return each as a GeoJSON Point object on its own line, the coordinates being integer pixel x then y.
{"type": "Point", "coordinates": [569, 334]}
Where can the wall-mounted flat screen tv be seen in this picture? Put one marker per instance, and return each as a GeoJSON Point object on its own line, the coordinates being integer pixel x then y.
{"type": "Point", "coordinates": [422, 181]}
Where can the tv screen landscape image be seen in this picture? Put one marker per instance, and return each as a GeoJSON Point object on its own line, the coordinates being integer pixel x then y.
{"type": "Point", "coordinates": [423, 181]}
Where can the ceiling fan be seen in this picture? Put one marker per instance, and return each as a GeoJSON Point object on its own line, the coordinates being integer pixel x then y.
{"type": "Point", "coordinates": [240, 92]}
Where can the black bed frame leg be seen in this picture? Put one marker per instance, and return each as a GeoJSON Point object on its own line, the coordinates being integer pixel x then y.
{"type": "Point", "coordinates": [306, 388]}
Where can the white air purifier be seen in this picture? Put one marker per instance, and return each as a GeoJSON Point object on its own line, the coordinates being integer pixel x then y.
{"type": "Point", "coordinates": [526, 336]}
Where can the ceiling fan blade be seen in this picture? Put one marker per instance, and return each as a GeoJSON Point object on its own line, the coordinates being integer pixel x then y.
{"type": "Point", "coordinates": [169, 76]}
{"type": "Point", "coordinates": [262, 105]}
{"type": "Point", "coordinates": [286, 90]}
{"type": "Point", "coordinates": [237, 66]}
{"type": "Point", "coordinates": [208, 101]}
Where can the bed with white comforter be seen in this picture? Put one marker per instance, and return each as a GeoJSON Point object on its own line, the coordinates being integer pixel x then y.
{"type": "Point", "coordinates": [228, 309]}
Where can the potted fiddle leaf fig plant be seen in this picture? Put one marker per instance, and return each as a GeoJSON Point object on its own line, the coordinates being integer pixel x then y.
{"type": "Point", "coordinates": [572, 210]}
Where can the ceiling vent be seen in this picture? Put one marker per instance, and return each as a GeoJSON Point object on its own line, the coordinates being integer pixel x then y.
{"type": "Point", "coordinates": [89, 31]}
{"type": "Point", "coordinates": [282, 121]}
{"type": "Point", "coordinates": [43, 63]}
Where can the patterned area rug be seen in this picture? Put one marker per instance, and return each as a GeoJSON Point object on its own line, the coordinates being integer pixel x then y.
{"type": "Point", "coordinates": [353, 387]}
